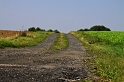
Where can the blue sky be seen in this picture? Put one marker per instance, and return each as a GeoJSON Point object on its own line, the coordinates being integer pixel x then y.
{"type": "Point", "coordinates": [64, 15]}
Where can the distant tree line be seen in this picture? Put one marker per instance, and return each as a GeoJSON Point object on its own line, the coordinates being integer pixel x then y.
{"type": "Point", "coordinates": [33, 29]}
{"type": "Point", "coordinates": [96, 28]}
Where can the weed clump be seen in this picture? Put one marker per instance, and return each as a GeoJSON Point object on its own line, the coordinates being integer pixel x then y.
{"type": "Point", "coordinates": [23, 33]}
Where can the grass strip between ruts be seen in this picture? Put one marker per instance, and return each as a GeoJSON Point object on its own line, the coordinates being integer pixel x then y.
{"type": "Point", "coordinates": [61, 42]}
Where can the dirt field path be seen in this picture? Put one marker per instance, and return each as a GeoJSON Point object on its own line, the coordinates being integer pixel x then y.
{"type": "Point", "coordinates": [37, 64]}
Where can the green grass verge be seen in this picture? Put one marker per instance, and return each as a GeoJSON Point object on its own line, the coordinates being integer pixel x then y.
{"type": "Point", "coordinates": [21, 41]}
{"type": "Point", "coordinates": [108, 53]}
{"type": "Point", "coordinates": [61, 42]}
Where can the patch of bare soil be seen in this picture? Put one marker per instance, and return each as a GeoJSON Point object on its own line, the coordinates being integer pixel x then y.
{"type": "Point", "coordinates": [38, 64]}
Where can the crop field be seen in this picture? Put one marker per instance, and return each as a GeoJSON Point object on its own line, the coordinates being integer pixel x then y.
{"type": "Point", "coordinates": [9, 33]}
{"type": "Point", "coordinates": [108, 52]}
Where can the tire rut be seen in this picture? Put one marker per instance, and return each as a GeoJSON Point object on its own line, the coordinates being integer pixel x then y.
{"type": "Point", "coordinates": [61, 66]}
{"type": "Point", "coordinates": [11, 55]}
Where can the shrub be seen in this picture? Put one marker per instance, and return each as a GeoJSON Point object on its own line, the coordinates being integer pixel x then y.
{"type": "Point", "coordinates": [96, 28]}
{"type": "Point", "coordinates": [86, 29]}
{"type": "Point", "coordinates": [23, 33]}
{"type": "Point", "coordinates": [56, 31]}
{"type": "Point", "coordinates": [32, 29]}
{"type": "Point", "coordinates": [42, 29]}
{"type": "Point", "coordinates": [80, 30]}
{"type": "Point", "coordinates": [37, 29]}
{"type": "Point", "coordinates": [99, 28]}
{"type": "Point", "coordinates": [50, 30]}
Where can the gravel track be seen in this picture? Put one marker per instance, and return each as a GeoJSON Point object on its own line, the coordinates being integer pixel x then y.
{"type": "Point", "coordinates": [38, 64]}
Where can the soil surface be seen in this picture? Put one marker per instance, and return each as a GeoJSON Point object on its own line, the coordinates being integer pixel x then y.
{"type": "Point", "coordinates": [39, 64]}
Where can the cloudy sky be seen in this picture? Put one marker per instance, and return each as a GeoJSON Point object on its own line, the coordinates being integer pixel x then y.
{"type": "Point", "coordinates": [64, 15]}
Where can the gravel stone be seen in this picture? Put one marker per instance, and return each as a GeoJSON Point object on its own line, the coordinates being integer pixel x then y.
{"type": "Point", "coordinates": [39, 64]}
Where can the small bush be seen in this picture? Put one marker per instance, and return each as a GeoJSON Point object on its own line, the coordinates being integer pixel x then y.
{"type": "Point", "coordinates": [86, 29]}
{"type": "Point", "coordinates": [99, 28]}
{"type": "Point", "coordinates": [23, 33]}
{"type": "Point", "coordinates": [32, 29]}
{"type": "Point", "coordinates": [96, 28]}
{"type": "Point", "coordinates": [56, 31]}
{"type": "Point", "coordinates": [80, 30]}
{"type": "Point", "coordinates": [50, 30]}
{"type": "Point", "coordinates": [38, 29]}
{"type": "Point", "coordinates": [42, 29]}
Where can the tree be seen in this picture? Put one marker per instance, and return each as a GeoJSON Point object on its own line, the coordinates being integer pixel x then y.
{"type": "Point", "coordinates": [50, 30]}
{"type": "Point", "coordinates": [32, 29]}
{"type": "Point", "coordinates": [86, 29]}
{"type": "Point", "coordinates": [99, 28]}
{"type": "Point", "coordinates": [37, 29]}
{"type": "Point", "coordinates": [80, 30]}
{"type": "Point", "coordinates": [56, 31]}
{"type": "Point", "coordinates": [42, 29]}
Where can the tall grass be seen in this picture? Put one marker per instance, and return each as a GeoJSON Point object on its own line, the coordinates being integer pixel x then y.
{"type": "Point", "coordinates": [108, 51]}
{"type": "Point", "coordinates": [23, 41]}
{"type": "Point", "coordinates": [61, 42]}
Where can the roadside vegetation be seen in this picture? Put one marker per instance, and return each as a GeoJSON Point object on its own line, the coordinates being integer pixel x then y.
{"type": "Point", "coordinates": [24, 39]}
{"type": "Point", "coordinates": [61, 42]}
{"type": "Point", "coordinates": [107, 48]}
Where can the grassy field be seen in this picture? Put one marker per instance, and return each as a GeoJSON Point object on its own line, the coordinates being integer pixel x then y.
{"type": "Point", "coordinates": [22, 41]}
{"type": "Point", "coordinates": [61, 42]}
{"type": "Point", "coordinates": [108, 53]}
